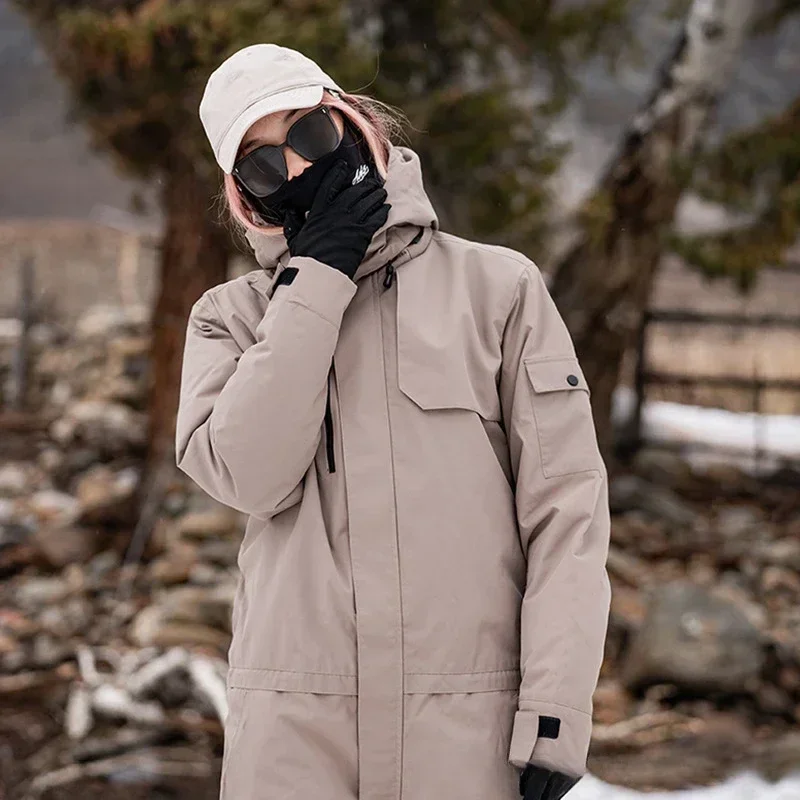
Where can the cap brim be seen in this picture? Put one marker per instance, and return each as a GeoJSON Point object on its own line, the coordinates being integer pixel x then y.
{"type": "Point", "coordinates": [304, 97]}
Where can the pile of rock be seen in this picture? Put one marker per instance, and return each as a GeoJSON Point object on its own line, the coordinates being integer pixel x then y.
{"type": "Point", "coordinates": [139, 644]}
{"type": "Point", "coordinates": [704, 634]}
{"type": "Point", "coordinates": [705, 570]}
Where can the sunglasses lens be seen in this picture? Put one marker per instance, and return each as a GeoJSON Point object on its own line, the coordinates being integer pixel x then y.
{"type": "Point", "coordinates": [314, 135]}
{"type": "Point", "coordinates": [263, 171]}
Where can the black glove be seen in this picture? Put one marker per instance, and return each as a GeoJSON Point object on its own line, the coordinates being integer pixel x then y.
{"type": "Point", "coordinates": [341, 222]}
{"type": "Point", "coordinates": [539, 783]}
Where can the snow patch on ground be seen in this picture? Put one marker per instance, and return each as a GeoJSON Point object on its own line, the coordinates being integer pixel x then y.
{"type": "Point", "coordinates": [735, 435]}
{"type": "Point", "coordinates": [744, 786]}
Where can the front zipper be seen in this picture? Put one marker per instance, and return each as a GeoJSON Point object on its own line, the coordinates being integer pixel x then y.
{"type": "Point", "coordinates": [329, 444]}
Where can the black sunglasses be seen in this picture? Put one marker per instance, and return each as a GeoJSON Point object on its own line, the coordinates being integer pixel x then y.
{"type": "Point", "coordinates": [263, 171]}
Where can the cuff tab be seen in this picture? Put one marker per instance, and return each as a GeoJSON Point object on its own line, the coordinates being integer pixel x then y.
{"type": "Point", "coordinates": [549, 727]}
{"type": "Point", "coordinates": [286, 277]}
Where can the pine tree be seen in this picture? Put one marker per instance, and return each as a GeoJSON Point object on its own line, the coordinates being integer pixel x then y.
{"type": "Point", "coordinates": [459, 69]}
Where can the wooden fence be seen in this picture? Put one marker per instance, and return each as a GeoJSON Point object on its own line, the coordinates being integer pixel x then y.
{"type": "Point", "coordinates": [645, 375]}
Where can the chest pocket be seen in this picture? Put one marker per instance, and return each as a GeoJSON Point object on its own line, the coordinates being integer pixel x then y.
{"type": "Point", "coordinates": [444, 358]}
{"type": "Point", "coordinates": [563, 413]}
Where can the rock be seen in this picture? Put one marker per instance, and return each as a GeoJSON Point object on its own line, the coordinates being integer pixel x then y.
{"type": "Point", "coordinates": [175, 566]}
{"type": "Point", "coordinates": [10, 331]}
{"type": "Point", "coordinates": [203, 574]}
{"type": "Point", "coordinates": [629, 492]}
{"type": "Point", "coordinates": [217, 523]}
{"type": "Point", "coordinates": [35, 592]}
{"type": "Point", "coordinates": [12, 532]}
{"type": "Point", "coordinates": [14, 480]}
{"type": "Point", "coordinates": [50, 459]}
{"type": "Point", "coordinates": [611, 702]}
{"type": "Point", "coordinates": [734, 522]}
{"type": "Point", "coordinates": [198, 604]}
{"type": "Point", "coordinates": [151, 627]}
{"type": "Point", "coordinates": [186, 615]}
{"type": "Point", "coordinates": [782, 553]}
{"type": "Point", "coordinates": [662, 467]}
{"type": "Point", "coordinates": [7, 510]}
{"type": "Point", "coordinates": [16, 659]}
{"type": "Point", "coordinates": [49, 651]}
{"type": "Point", "coordinates": [220, 551]}
{"type": "Point", "coordinates": [7, 644]}
{"type": "Point", "coordinates": [773, 700]}
{"type": "Point", "coordinates": [66, 544]}
{"type": "Point", "coordinates": [20, 625]}
{"type": "Point", "coordinates": [103, 321]}
{"type": "Point", "coordinates": [780, 579]}
{"type": "Point", "coordinates": [67, 619]}
{"type": "Point", "coordinates": [694, 640]}
{"type": "Point", "coordinates": [52, 507]}
{"type": "Point", "coordinates": [731, 588]}
{"type": "Point", "coordinates": [110, 427]}
{"type": "Point", "coordinates": [102, 564]}
{"type": "Point", "coordinates": [106, 496]}
{"type": "Point", "coordinates": [127, 371]}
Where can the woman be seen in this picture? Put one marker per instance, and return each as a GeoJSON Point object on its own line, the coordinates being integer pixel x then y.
{"type": "Point", "coordinates": [423, 597]}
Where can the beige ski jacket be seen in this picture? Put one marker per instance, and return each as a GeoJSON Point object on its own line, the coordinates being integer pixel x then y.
{"type": "Point", "coordinates": [423, 598]}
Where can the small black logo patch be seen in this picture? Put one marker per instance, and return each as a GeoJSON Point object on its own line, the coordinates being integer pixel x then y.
{"type": "Point", "coordinates": [549, 727]}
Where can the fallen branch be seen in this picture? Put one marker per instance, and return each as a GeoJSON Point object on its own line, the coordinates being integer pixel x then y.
{"type": "Point", "coordinates": [145, 764]}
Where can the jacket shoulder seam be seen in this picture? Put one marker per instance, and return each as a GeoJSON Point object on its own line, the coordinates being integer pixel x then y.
{"type": "Point", "coordinates": [208, 299]}
{"type": "Point", "coordinates": [495, 250]}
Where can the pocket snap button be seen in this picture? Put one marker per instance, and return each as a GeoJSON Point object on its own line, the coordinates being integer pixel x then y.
{"type": "Point", "coordinates": [572, 380]}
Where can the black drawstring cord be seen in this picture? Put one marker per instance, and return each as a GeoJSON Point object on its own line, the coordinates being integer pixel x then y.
{"type": "Point", "coordinates": [387, 281]}
{"type": "Point", "coordinates": [390, 270]}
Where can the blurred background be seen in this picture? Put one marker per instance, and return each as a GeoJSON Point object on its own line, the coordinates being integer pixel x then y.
{"type": "Point", "coordinates": [646, 155]}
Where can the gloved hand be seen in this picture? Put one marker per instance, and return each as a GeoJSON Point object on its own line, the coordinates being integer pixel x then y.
{"type": "Point", "coordinates": [341, 222]}
{"type": "Point", "coordinates": [540, 783]}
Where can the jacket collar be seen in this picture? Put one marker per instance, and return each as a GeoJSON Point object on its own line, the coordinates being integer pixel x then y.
{"type": "Point", "coordinates": [411, 214]}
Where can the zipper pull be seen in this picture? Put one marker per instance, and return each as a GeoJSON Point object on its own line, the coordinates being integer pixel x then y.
{"type": "Point", "coordinates": [387, 281]}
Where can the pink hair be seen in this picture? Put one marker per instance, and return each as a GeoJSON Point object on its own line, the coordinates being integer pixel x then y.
{"type": "Point", "coordinates": [377, 121]}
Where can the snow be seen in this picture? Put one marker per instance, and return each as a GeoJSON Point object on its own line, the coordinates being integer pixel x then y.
{"type": "Point", "coordinates": [734, 435]}
{"type": "Point", "coordinates": [746, 785]}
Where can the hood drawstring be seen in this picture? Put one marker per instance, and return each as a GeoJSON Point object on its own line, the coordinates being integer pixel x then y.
{"type": "Point", "coordinates": [390, 270]}
{"type": "Point", "coordinates": [387, 281]}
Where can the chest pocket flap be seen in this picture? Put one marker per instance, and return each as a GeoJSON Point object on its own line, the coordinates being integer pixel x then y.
{"type": "Point", "coordinates": [556, 374]}
{"type": "Point", "coordinates": [444, 357]}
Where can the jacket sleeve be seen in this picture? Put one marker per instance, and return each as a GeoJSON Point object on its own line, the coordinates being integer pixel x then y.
{"type": "Point", "coordinates": [561, 490]}
{"type": "Point", "coordinates": [249, 421]}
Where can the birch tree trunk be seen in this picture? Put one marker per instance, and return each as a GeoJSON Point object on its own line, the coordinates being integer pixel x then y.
{"type": "Point", "coordinates": [602, 284]}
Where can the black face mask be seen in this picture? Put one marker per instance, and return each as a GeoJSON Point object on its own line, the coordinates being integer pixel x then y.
{"type": "Point", "coordinates": [298, 193]}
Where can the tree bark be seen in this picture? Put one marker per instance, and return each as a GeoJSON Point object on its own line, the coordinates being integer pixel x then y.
{"type": "Point", "coordinates": [195, 251]}
{"type": "Point", "coordinates": [603, 282]}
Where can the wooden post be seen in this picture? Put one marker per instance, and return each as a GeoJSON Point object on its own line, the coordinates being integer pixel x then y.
{"type": "Point", "coordinates": [18, 383]}
{"type": "Point", "coordinates": [630, 438]}
{"type": "Point", "coordinates": [758, 421]}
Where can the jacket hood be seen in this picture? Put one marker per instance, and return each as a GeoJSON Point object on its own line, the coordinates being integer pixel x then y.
{"type": "Point", "coordinates": [411, 212]}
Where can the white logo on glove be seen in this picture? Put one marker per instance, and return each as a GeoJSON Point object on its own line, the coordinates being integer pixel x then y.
{"type": "Point", "coordinates": [361, 173]}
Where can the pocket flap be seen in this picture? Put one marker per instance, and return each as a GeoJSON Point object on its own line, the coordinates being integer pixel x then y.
{"type": "Point", "coordinates": [556, 374]}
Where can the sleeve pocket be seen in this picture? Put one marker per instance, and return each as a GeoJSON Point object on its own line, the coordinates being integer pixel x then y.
{"type": "Point", "coordinates": [563, 413]}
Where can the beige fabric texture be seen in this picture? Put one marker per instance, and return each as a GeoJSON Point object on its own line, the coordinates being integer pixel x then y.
{"type": "Point", "coordinates": [402, 622]}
